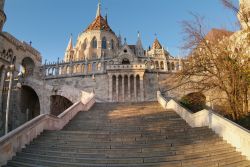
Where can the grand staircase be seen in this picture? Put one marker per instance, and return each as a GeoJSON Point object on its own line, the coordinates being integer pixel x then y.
{"type": "Point", "coordinates": [124, 135]}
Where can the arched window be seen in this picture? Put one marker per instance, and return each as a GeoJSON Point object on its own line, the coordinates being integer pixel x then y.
{"type": "Point", "coordinates": [112, 44]}
{"type": "Point", "coordinates": [94, 43]}
{"type": "Point", "coordinates": [125, 61]}
{"type": "Point", "coordinates": [104, 43]}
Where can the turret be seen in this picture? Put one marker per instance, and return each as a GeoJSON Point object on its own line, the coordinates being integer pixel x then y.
{"type": "Point", "coordinates": [2, 15]}
{"type": "Point", "coordinates": [139, 47]}
{"type": "Point", "coordinates": [69, 53]}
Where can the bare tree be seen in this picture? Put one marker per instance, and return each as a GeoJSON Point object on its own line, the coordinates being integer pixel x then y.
{"type": "Point", "coordinates": [217, 64]}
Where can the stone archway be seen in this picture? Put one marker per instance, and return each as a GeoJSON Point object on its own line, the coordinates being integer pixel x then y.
{"type": "Point", "coordinates": [29, 103]}
{"type": "Point", "coordinates": [58, 104]}
{"type": "Point", "coordinates": [29, 66]}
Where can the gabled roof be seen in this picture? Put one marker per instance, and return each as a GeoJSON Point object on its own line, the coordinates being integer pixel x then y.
{"type": "Point", "coordinates": [156, 44]}
{"type": "Point", "coordinates": [99, 24]}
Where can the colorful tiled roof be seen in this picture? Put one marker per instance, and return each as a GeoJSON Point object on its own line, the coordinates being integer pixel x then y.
{"type": "Point", "coordinates": [99, 24]}
{"type": "Point", "coordinates": [156, 44]}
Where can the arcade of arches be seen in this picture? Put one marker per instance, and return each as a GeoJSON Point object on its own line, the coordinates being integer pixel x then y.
{"type": "Point", "coordinates": [126, 87]}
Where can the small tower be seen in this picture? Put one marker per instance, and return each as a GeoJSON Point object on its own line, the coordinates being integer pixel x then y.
{"type": "Point", "coordinates": [244, 14]}
{"type": "Point", "coordinates": [69, 53]}
{"type": "Point", "coordinates": [139, 47]}
{"type": "Point", "coordinates": [2, 15]}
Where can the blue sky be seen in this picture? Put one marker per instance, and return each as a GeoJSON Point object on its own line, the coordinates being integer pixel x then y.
{"type": "Point", "coordinates": [49, 23]}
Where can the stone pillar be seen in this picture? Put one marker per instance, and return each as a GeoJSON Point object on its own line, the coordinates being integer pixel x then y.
{"type": "Point", "coordinates": [141, 88]}
{"type": "Point", "coordinates": [110, 87]}
{"type": "Point", "coordinates": [123, 89]}
{"type": "Point", "coordinates": [129, 87]}
{"type": "Point", "coordinates": [2, 86]}
{"type": "Point", "coordinates": [135, 88]}
{"type": "Point", "coordinates": [117, 88]}
{"type": "Point", "coordinates": [165, 66]}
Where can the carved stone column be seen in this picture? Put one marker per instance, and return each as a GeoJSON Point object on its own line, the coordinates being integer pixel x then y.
{"type": "Point", "coordinates": [129, 88]}
{"type": "Point", "coordinates": [135, 88]}
{"type": "Point", "coordinates": [110, 87]}
{"type": "Point", "coordinates": [117, 88]}
{"type": "Point", "coordinates": [141, 88]}
{"type": "Point", "coordinates": [123, 89]}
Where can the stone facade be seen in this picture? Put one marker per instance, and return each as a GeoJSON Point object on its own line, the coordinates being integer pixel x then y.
{"type": "Point", "coordinates": [99, 62]}
{"type": "Point", "coordinates": [115, 70]}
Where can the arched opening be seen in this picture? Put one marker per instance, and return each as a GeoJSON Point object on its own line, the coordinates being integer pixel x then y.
{"type": "Point", "coordinates": [125, 61]}
{"type": "Point", "coordinates": [58, 104]}
{"type": "Point", "coordinates": [113, 88]}
{"type": "Point", "coordinates": [173, 66]}
{"type": "Point", "coordinates": [104, 43]}
{"type": "Point", "coordinates": [138, 87]}
{"type": "Point", "coordinates": [157, 65]}
{"type": "Point", "coordinates": [112, 45]}
{"type": "Point", "coordinates": [126, 88]}
{"type": "Point", "coordinates": [162, 65]}
{"type": "Point", "coordinates": [120, 93]}
{"type": "Point", "coordinates": [29, 104]}
{"type": "Point", "coordinates": [169, 68]}
{"type": "Point", "coordinates": [132, 88]}
{"type": "Point", "coordinates": [28, 65]}
{"type": "Point", "coordinates": [94, 43]}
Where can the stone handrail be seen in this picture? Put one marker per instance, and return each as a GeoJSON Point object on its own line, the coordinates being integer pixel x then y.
{"type": "Point", "coordinates": [15, 140]}
{"type": "Point", "coordinates": [234, 134]}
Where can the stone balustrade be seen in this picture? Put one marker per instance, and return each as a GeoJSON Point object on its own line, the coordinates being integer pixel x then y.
{"type": "Point", "coordinates": [15, 140]}
{"type": "Point", "coordinates": [127, 67]}
{"type": "Point", "coordinates": [234, 134]}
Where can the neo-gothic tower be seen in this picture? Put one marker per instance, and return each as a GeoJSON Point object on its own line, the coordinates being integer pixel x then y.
{"type": "Point", "coordinates": [244, 14]}
{"type": "Point", "coordinates": [96, 42]}
{"type": "Point", "coordinates": [2, 15]}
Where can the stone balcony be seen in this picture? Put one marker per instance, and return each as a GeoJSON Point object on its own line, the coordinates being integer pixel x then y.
{"type": "Point", "coordinates": [127, 67]}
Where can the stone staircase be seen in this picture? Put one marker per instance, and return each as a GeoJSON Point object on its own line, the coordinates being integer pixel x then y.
{"type": "Point", "coordinates": [126, 135]}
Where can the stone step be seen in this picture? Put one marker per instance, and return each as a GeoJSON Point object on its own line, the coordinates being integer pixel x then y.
{"type": "Point", "coordinates": [128, 135]}
{"type": "Point", "coordinates": [131, 148]}
{"type": "Point", "coordinates": [109, 153]}
{"type": "Point", "coordinates": [230, 157]}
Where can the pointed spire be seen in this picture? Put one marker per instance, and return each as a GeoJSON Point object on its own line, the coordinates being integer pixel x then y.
{"type": "Point", "coordinates": [106, 15]}
{"type": "Point", "coordinates": [70, 44]}
{"type": "Point", "coordinates": [98, 12]}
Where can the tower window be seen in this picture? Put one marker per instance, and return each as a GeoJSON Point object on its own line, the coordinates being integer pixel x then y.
{"type": "Point", "coordinates": [94, 43]}
{"type": "Point", "coordinates": [104, 43]}
{"type": "Point", "coordinates": [112, 44]}
{"type": "Point", "coordinates": [125, 61]}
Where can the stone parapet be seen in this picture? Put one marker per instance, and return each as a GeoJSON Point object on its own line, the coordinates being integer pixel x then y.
{"type": "Point", "coordinates": [18, 138]}
{"type": "Point", "coordinates": [127, 67]}
{"type": "Point", "coordinates": [234, 134]}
